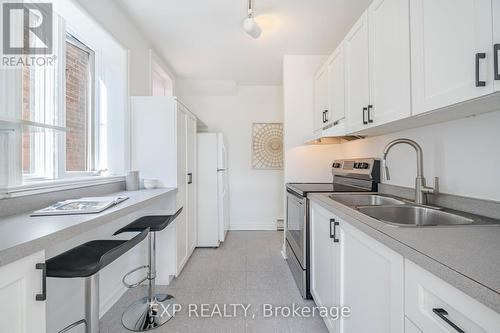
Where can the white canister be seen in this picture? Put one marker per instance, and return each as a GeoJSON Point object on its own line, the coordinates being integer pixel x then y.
{"type": "Point", "coordinates": [132, 181]}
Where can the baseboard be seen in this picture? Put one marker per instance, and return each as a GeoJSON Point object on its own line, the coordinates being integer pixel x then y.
{"type": "Point", "coordinates": [253, 226]}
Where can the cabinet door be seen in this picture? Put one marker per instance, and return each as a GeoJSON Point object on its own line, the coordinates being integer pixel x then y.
{"type": "Point", "coordinates": [371, 284]}
{"type": "Point", "coordinates": [191, 183]}
{"type": "Point", "coordinates": [336, 86]}
{"type": "Point", "coordinates": [435, 306]}
{"type": "Point", "coordinates": [320, 100]}
{"type": "Point", "coordinates": [410, 327]}
{"type": "Point", "coordinates": [357, 74]}
{"type": "Point", "coordinates": [324, 262]}
{"type": "Point", "coordinates": [19, 284]}
{"type": "Point", "coordinates": [446, 37]}
{"type": "Point", "coordinates": [181, 221]}
{"type": "Point", "coordinates": [389, 31]}
{"type": "Point", "coordinates": [496, 40]}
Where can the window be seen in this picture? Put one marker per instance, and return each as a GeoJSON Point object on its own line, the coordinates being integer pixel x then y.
{"type": "Point", "coordinates": [79, 106]}
{"type": "Point", "coordinates": [68, 119]}
{"type": "Point", "coordinates": [49, 155]}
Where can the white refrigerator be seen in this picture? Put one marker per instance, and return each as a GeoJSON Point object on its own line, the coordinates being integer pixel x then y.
{"type": "Point", "coordinates": [213, 191]}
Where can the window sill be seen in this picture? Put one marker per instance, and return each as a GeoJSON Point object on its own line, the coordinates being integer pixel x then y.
{"type": "Point", "coordinates": [57, 185]}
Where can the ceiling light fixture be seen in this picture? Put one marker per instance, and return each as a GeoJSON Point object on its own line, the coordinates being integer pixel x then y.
{"type": "Point", "coordinates": [249, 25]}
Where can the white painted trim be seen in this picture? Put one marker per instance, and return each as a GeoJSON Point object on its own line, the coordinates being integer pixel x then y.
{"type": "Point", "coordinates": [57, 185]}
{"type": "Point", "coordinates": [253, 226]}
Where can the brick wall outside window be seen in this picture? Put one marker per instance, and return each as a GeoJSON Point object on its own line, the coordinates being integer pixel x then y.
{"type": "Point", "coordinates": [77, 108]}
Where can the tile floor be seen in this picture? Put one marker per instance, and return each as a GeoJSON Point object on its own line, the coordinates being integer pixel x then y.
{"type": "Point", "coordinates": [247, 269]}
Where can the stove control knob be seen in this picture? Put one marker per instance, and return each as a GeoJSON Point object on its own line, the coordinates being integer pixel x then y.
{"type": "Point", "coordinates": [366, 166]}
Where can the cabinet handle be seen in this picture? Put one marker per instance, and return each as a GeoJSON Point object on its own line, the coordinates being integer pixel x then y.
{"type": "Point", "coordinates": [479, 56]}
{"type": "Point", "coordinates": [370, 107]}
{"type": "Point", "coordinates": [43, 296]}
{"type": "Point", "coordinates": [190, 178]}
{"type": "Point", "coordinates": [364, 116]}
{"type": "Point", "coordinates": [333, 230]}
{"type": "Point", "coordinates": [326, 116]}
{"type": "Point", "coordinates": [442, 313]}
{"type": "Point", "coordinates": [496, 49]}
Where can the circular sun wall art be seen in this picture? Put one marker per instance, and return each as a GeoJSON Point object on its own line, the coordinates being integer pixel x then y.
{"type": "Point", "coordinates": [267, 146]}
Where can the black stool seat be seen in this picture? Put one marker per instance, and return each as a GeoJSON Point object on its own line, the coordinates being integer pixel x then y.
{"type": "Point", "coordinates": [89, 258]}
{"type": "Point", "coordinates": [154, 223]}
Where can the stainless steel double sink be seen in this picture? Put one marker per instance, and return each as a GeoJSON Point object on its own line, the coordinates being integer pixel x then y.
{"type": "Point", "coordinates": [403, 213]}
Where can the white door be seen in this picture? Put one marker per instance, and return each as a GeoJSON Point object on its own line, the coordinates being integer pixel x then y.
{"type": "Point", "coordinates": [496, 40]}
{"type": "Point", "coordinates": [371, 284]}
{"type": "Point", "coordinates": [449, 39]}
{"type": "Point", "coordinates": [181, 220]}
{"type": "Point", "coordinates": [191, 183]}
{"type": "Point", "coordinates": [336, 86]}
{"type": "Point", "coordinates": [20, 282]}
{"type": "Point", "coordinates": [357, 75]}
{"type": "Point", "coordinates": [389, 32]}
{"type": "Point", "coordinates": [324, 262]}
{"type": "Point", "coordinates": [321, 100]}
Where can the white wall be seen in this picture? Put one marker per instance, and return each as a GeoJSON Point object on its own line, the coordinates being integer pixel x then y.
{"type": "Point", "coordinates": [255, 196]}
{"type": "Point", "coordinates": [302, 163]}
{"type": "Point", "coordinates": [109, 14]}
{"type": "Point", "coordinates": [463, 153]}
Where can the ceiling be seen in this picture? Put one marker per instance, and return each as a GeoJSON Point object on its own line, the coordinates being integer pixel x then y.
{"type": "Point", "coordinates": [203, 40]}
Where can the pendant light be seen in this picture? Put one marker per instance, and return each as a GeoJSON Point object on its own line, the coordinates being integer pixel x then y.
{"type": "Point", "coordinates": [249, 25]}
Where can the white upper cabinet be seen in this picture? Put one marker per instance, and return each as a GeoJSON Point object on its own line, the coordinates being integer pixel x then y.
{"type": "Point", "coordinates": [321, 99]}
{"type": "Point", "coordinates": [389, 52]}
{"type": "Point", "coordinates": [452, 52]}
{"type": "Point", "coordinates": [357, 75]}
{"type": "Point", "coordinates": [496, 40]}
{"type": "Point", "coordinates": [336, 86]}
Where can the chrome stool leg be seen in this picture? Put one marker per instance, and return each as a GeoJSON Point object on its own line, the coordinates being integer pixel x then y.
{"type": "Point", "coordinates": [91, 320]}
{"type": "Point", "coordinates": [148, 312]}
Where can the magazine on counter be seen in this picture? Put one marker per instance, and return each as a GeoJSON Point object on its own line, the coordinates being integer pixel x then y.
{"type": "Point", "coordinates": [90, 205]}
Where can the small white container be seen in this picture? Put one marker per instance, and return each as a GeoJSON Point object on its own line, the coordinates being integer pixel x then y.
{"type": "Point", "coordinates": [150, 183]}
{"type": "Point", "coordinates": [132, 181]}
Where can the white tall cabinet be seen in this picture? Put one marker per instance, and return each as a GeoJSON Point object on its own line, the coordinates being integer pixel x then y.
{"type": "Point", "coordinates": [20, 282]}
{"type": "Point", "coordinates": [452, 51]}
{"type": "Point", "coordinates": [163, 147]}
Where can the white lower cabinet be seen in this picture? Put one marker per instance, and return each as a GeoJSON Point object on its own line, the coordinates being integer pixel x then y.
{"type": "Point", "coordinates": [371, 283]}
{"type": "Point", "coordinates": [20, 282]}
{"type": "Point", "coordinates": [410, 327]}
{"type": "Point", "coordinates": [349, 268]}
{"type": "Point", "coordinates": [436, 306]}
{"type": "Point", "coordinates": [325, 278]}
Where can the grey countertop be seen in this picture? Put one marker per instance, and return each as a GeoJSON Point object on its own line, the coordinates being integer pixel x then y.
{"type": "Point", "coordinates": [467, 257]}
{"type": "Point", "coordinates": [22, 235]}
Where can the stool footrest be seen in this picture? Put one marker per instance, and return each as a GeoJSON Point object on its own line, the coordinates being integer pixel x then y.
{"type": "Point", "coordinates": [75, 324]}
{"type": "Point", "coordinates": [135, 285]}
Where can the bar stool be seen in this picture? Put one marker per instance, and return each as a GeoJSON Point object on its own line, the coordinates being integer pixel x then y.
{"type": "Point", "coordinates": [147, 313]}
{"type": "Point", "coordinates": [85, 261]}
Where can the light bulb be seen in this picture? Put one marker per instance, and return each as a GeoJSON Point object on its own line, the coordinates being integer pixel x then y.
{"type": "Point", "coordinates": [251, 27]}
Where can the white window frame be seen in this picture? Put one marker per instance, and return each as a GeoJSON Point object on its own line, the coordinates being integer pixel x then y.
{"type": "Point", "coordinates": [93, 133]}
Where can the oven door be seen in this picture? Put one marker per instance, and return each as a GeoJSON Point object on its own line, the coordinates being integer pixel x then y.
{"type": "Point", "coordinates": [296, 226]}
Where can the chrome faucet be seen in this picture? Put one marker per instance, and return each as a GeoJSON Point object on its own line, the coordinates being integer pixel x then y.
{"type": "Point", "coordinates": [420, 188]}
